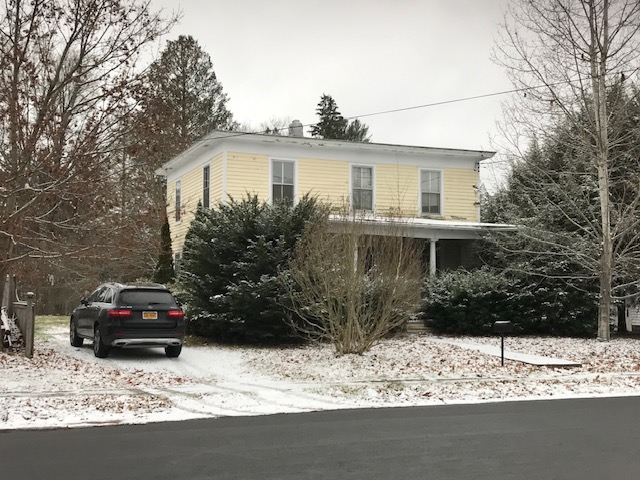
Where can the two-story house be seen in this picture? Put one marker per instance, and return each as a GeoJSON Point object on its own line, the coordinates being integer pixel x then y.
{"type": "Point", "coordinates": [435, 190]}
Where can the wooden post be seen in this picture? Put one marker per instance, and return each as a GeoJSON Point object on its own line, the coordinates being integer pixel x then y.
{"type": "Point", "coordinates": [30, 325]}
{"type": "Point", "coordinates": [432, 256]}
{"type": "Point", "coordinates": [11, 296]}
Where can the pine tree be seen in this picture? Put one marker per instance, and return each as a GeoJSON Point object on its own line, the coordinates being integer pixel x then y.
{"type": "Point", "coordinates": [183, 100]}
{"type": "Point", "coordinates": [333, 125]}
{"type": "Point", "coordinates": [164, 271]}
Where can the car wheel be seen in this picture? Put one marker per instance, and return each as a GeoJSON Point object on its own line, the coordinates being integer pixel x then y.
{"type": "Point", "coordinates": [100, 350]}
{"type": "Point", "coordinates": [74, 339]}
{"type": "Point", "coordinates": [173, 351]}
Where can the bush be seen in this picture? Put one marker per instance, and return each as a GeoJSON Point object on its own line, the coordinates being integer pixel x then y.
{"type": "Point", "coordinates": [231, 260]}
{"type": "Point", "coordinates": [468, 303]}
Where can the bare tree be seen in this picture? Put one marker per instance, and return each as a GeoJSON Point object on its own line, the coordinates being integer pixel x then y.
{"type": "Point", "coordinates": [68, 69]}
{"type": "Point", "coordinates": [352, 284]}
{"type": "Point", "coordinates": [566, 55]}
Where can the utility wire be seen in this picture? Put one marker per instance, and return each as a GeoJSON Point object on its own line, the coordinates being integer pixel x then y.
{"type": "Point", "coordinates": [425, 105]}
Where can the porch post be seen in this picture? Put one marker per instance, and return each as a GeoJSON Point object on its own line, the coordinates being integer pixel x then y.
{"type": "Point", "coordinates": [432, 256]}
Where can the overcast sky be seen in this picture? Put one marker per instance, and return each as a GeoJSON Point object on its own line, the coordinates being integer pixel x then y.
{"type": "Point", "coordinates": [277, 57]}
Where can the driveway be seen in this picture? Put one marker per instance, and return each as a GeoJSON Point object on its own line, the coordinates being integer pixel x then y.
{"type": "Point", "coordinates": [64, 386]}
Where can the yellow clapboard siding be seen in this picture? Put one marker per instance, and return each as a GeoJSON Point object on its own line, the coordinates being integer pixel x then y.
{"type": "Point", "coordinates": [247, 173]}
{"type": "Point", "coordinates": [460, 194]}
{"type": "Point", "coordinates": [216, 180]}
{"type": "Point", "coordinates": [327, 180]}
{"type": "Point", "coordinates": [396, 190]}
{"type": "Point", "coordinates": [191, 194]}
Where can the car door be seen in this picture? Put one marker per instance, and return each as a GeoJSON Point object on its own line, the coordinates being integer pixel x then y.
{"type": "Point", "coordinates": [80, 313]}
{"type": "Point", "coordinates": [91, 311]}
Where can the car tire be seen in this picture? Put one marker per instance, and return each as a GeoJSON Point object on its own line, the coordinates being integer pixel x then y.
{"type": "Point", "coordinates": [173, 351]}
{"type": "Point", "coordinates": [74, 339]}
{"type": "Point", "coordinates": [100, 350]}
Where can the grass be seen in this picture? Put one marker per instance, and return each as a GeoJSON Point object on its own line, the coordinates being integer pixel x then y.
{"type": "Point", "coordinates": [45, 322]}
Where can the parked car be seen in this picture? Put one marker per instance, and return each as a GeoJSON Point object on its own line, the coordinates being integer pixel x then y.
{"type": "Point", "coordinates": [128, 316]}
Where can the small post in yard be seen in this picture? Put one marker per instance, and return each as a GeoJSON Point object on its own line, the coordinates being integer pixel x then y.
{"type": "Point", "coordinates": [30, 325]}
{"type": "Point", "coordinates": [502, 327]}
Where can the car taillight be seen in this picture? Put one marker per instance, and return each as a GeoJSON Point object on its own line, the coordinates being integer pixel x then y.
{"type": "Point", "coordinates": [175, 314]}
{"type": "Point", "coordinates": [119, 313]}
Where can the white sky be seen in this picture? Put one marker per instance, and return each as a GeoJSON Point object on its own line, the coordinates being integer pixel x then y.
{"type": "Point", "coordinates": [277, 57]}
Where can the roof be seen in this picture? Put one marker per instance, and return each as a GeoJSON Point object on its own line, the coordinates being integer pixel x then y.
{"type": "Point", "coordinates": [416, 227]}
{"type": "Point", "coordinates": [216, 136]}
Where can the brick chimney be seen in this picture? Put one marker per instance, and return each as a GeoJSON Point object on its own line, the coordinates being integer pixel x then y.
{"type": "Point", "coordinates": [295, 129]}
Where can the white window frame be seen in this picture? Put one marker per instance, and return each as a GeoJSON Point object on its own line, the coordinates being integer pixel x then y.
{"type": "Point", "coordinates": [373, 186]}
{"type": "Point", "coordinates": [178, 201]}
{"type": "Point", "coordinates": [441, 192]}
{"type": "Point", "coordinates": [206, 186]}
{"type": "Point", "coordinates": [295, 177]}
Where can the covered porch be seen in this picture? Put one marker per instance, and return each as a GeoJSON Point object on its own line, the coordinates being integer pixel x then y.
{"type": "Point", "coordinates": [449, 244]}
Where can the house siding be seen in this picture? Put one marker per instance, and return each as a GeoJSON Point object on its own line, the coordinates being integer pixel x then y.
{"type": "Point", "coordinates": [216, 180]}
{"type": "Point", "coordinates": [460, 194]}
{"type": "Point", "coordinates": [247, 173]}
{"type": "Point", "coordinates": [236, 173]}
{"type": "Point", "coordinates": [396, 190]}
{"type": "Point", "coordinates": [191, 191]}
{"type": "Point", "coordinates": [326, 179]}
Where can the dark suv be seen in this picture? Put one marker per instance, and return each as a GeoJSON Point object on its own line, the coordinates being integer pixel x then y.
{"type": "Point", "coordinates": [117, 315]}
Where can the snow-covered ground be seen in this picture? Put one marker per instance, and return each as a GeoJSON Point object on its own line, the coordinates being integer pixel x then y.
{"type": "Point", "coordinates": [64, 386]}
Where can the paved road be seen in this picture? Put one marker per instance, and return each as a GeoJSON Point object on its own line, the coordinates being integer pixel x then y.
{"type": "Point", "coordinates": [542, 440]}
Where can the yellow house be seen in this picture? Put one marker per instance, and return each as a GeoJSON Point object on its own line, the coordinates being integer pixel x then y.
{"type": "Point", "coordinates": [434, 189]}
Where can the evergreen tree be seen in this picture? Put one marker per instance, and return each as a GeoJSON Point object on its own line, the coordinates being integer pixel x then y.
{"type": "Point", "coordinates": [183, 100]}
{"type": "Point", "coordinates": [553, 195]}
{"type": "Point", "coordinates": [357, 132]}
{"type": "Point", "coordinates": [333, 125]}
{"type": "Point", "coordinates": [232, 257]}
{"type": "Point", "coordinates": [164, 271]}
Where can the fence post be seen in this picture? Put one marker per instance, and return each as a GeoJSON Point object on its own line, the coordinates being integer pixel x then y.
{"type": "Point", "coordinates": [30, 325]}
{"type": "Point", "coordinates": [11, 295]}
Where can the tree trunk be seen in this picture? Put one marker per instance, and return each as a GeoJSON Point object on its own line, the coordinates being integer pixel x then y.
{"type": "Point", "coordinates": [606, 255]}
{"type": "Point", "coordinates": [599, 52]}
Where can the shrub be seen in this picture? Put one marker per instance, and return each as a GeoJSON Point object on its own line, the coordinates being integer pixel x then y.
{"type": "Point", "coordinates": [231, 260]}
{"type": "Point", "coordinates": [468, 303]}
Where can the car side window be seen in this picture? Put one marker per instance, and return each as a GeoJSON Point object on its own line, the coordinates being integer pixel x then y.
{"type": "Point", "coordinates": [106, 295]}
{"type": "Point", "coordinates": [95, 295]}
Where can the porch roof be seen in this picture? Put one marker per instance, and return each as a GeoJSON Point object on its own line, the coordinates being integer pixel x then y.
{"type": "Point", "coordinates": [417, 227]}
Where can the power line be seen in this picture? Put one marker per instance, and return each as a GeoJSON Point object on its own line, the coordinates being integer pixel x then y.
{"type": "Point", "coordinates": [428, 105]}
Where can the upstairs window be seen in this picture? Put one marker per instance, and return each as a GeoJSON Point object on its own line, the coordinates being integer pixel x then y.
{"type": "Point", "coordinates": [362, 188]}
{"type": "Point", "coordinates": [178, 200]}
{"type": "Point", "coordinates": [205, 186]}
{"type": "Point", "coordinates": [282, 181]}
{"type": "Point", "coordinates": [430, 192]}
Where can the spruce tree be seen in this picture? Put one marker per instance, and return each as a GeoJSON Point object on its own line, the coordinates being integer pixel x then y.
{"type": "Point", "coordinates": [333, 125]}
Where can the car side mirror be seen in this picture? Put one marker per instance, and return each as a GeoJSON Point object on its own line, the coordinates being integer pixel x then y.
{"type": "Point", "coordinates": [84, 301]}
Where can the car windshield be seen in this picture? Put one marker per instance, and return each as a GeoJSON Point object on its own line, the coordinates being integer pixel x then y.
{"type": "Point", "coordinates": [147, 297]}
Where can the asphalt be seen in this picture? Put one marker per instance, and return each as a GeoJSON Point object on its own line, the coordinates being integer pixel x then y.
{"type": "Point", "coordinates": [562, 439]}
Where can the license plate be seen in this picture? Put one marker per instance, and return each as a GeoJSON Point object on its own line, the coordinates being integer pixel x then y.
{"type": "Point", "coordinates": [149, 315]}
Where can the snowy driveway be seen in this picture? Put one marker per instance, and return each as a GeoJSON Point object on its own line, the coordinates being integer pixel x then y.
{"type": "Point", "coordinates": [64, 386]}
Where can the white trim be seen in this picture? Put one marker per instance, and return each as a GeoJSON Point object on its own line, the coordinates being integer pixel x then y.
{"type": "Point", "coordinates": [177, 201]}
{"type": "Point", "coordinates": [373, 186]}
{"type": "Point", "coordinates": [295, 177]}
{"type": "Point", "coordinates": [219, 141]}
{"type": "Point", "coordinates": [442, 209]}
{"type": "Point", "coordinates": [206, 165]}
